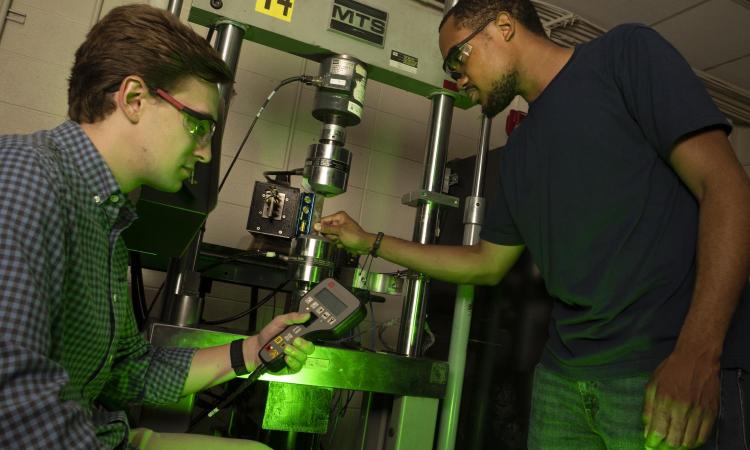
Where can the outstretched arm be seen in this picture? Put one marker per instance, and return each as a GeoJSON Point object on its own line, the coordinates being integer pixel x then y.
{"type": "Point", "coordinates": [483, 263]}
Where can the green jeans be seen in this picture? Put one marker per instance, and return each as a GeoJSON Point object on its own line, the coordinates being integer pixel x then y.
{"type": "Point", "coordinates": [571, 414]}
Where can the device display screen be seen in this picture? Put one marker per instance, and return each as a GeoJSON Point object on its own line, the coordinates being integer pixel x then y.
{"type": "Point", "coordinates": [330, 301]}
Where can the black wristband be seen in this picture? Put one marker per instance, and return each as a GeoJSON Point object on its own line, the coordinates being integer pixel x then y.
{"type": "Point", "coordinates": [237, 357]}
{"type": "Point", "coordinates": [376, 245]}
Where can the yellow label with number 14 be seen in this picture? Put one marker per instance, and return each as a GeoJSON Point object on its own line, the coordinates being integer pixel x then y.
{"type": "Point", "coordinates": [279, 9]}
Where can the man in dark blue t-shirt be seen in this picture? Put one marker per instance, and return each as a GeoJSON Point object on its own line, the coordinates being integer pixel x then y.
{"type": "Point", "coordinates": [623, 186]}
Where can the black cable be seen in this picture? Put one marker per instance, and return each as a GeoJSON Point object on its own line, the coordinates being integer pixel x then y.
{"type": "Point", "coordinates": [265, 300]}
{"type": "Point", "coordinates": [346, 405]}
{"type": "Point", "coordinates": [221, 261]}
{"type": "Point", "coordinates": [268, 174]}
{"type": "Point", "coordinates": [236, 256]}
{"type": "Point", "coordinates": [335, 405]}
{"type": "Point", "coordinates": [139, 294]}
{"type": "Point", "coordinates": [373, 328]}
{"type": "Point", "coordinates": [338, 416]}
{"type": "Point", "coordinates": [304, 78]}
{"type": "Point", "coordinates": [153, 302]}
{"type": "Point", "coordinates": [366, 268]}
{"type": "Point", "coordinates": [381, 330]}
{"type": "Point", "coordinates": [351, 337]}
{"type": "Point", "coordinates": [252, 322]}
{"type": "Point", "coordinates": [228, 398]}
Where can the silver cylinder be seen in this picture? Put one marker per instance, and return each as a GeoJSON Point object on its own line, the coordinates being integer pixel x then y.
{"type": "Point", "coordinates": [185, 311]}
{"type": "Point", "coordinates": [473, 219]}
{"type": "Point", "coordinates": [480, 166]}
{"type": "Point", "coordinates": [183, 305]}
{"type": "Point", "coordinates": [473, 211]}
{"type": "Point", "coordinates": [4, 10]}
{"type": "Point", "coordinates": [315, 247]}
{"type": "Point", "coordinates": [332, 133]}
{"type": "Point", "coordinates": [448, 4]}
{"type": "Point", "coordinates": [327, 169]}
{"type": "Point", "coordinates": [437, 142]}
{"type": "Point", "coordinates": [229, 36]}
{"type": "Point", "coordinates": [413, 313]}
{"type": "Point", "coordinates": [340, 95]}
{"type": "Point", "coordinates": [474, 204]}
{"type": "Point", "coordinates": [175, 7]}
{"type": "Point", "coordinates": [312, 258]}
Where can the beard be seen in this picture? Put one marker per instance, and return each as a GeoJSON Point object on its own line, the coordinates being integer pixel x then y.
{"type": "Point", "coordinates": [503, 91]}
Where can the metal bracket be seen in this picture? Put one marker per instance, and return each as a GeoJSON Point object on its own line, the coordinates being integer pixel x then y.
{"type": "Point", "coordinates": [416, 198]}
{"type": "Point", "coordinates": [379, 283]}
{"type": "Point", "coordinates": [474, 210]}
{"type": "Point", "coordinates": [451, 179]}
{"type": "Point", "coordinates": [15, 16]}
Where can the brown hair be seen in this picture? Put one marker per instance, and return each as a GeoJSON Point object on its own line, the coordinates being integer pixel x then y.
{"type": "Point", "coordinates": [137, 40]}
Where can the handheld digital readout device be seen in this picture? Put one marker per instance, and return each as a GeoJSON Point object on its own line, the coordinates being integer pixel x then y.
{"type": "Point", "coordinates": [333, 311]}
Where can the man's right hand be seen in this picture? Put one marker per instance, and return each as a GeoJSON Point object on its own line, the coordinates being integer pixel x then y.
{"type": "Point", "coordinates": [346, 233]}
{"type": "Point", "coordinates": [484, 263]}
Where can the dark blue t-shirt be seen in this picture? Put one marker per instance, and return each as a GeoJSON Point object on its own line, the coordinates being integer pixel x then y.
{"type": "Point", "coordinates": [586, 186]}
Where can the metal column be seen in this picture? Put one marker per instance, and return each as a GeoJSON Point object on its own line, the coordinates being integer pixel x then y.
{"type": "Point", "coordinates": [175, 7]}
{"type": "Point", "coordinates": [413, 419]}
{"type": "Point", "coordinates": [473, 218]}
{"type": "Point", "coordinates": [4, 9]}
{"type": "Point", "coordinates": [182, 303]}
{"type": "Point", "coordinates": [412, 316]}
{"type": "Point", "coordinates": [229, 36]}
{"type": "Point", "coordinates": [406, 409]}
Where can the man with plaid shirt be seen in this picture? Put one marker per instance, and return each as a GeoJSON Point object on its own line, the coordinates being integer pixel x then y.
{"type": "Point", "coordinates": [143, 102]}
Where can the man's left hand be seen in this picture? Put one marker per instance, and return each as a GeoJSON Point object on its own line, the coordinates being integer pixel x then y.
{"type": "Point", "coordinates": [682, 401]}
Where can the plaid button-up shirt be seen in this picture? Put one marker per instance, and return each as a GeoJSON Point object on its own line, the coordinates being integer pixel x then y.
{"type": "Point", "coordinates": [71, 356]}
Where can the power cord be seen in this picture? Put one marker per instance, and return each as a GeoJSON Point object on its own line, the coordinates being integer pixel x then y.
{"type": "Point", "coordinates": [307, 79]}
{"type": "Point", "coordinates": [269, 173]}
{"type": "Point", "coordinates": [153, 301]}
{"type": "Point", "coordinates": [238, 255]}
{"type": "Point", "coordinates": [338, 415]}
{"type": "Point", "coordinates": [381, 330]}
{"type": "Point", "coordinates": [431, 335]}
{"type": "Point", "coordinates": [227, 399]}
{"type": "Point", "coordinates": [265, 300]}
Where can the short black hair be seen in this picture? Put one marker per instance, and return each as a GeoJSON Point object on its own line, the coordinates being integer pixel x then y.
{"type": "Point", "coordinates": [473, 13]}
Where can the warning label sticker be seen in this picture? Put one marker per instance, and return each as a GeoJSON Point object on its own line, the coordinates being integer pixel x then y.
{"type": "Point", "coordinates": [404, 62]}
